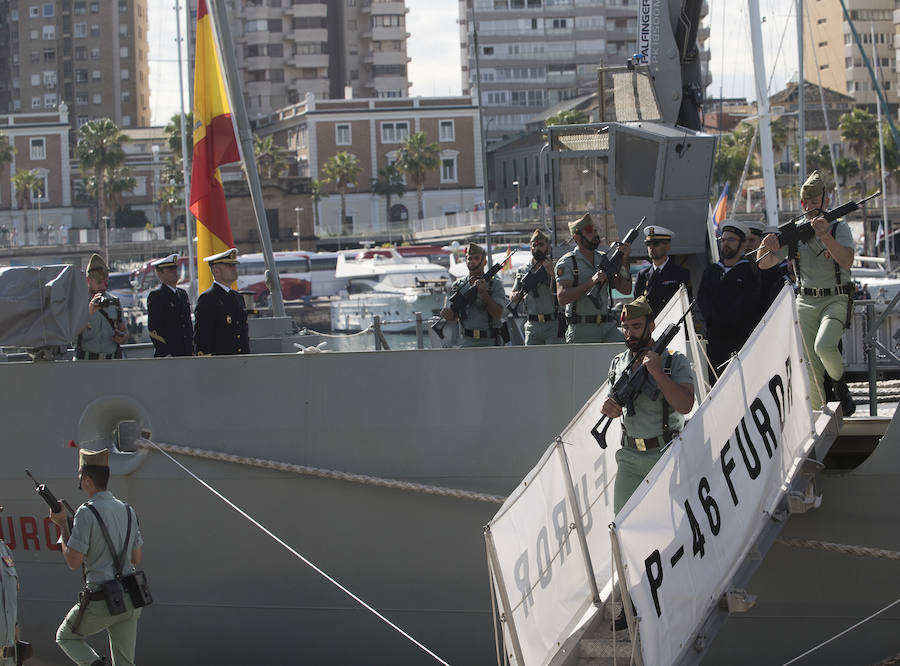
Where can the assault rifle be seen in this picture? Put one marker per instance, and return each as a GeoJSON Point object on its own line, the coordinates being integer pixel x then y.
{"type": "Point", "coordinates": [537, 275]}
{"type": "Point", "coordinates": [463, 297]}
{"type": "Point", "coordinates": [629, 385]}
{"type": "Point", "coordinates": [612, 262]}
{"type": "Point", "coordinates": [55, 505]}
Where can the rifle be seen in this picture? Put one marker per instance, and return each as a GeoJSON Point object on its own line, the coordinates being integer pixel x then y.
{"type": "Point", "coordinates": [629, 385]}
{"type": "Point", "coordinates": [463, 297]}
{"type": "Point", "coordinates": [791, 233]}
{"type": "Point", "coordinates": [55, 505]}
{"type": "Point", "coordinates": [537, 275]}
{"type": "Point", "coordinates": [611, 263]}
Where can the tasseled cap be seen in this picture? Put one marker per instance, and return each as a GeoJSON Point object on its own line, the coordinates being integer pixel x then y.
{"type": "Point", "coordinates": [474, 249]}
{"type": "Point", "coordinates": [815, 186]}
{"type": "Point", "coordinates": [579, 224]}
{"type": "Point", "coordinates": [95, 458]}
{"type": "Point", "coordinates": [538, 235]}
{"type": "Point", "coordinates": [97, 265]}
{"type": "Point", "coordinates": [639, 307]}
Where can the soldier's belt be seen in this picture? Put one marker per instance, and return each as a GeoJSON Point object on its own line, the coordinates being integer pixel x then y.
{"type": "Point", "coordinates": [477, 334]}
{"type": "Point", "coordinates": [646, 443]}
{"type": "Point", "coordinates": [588, 319]}
{"type": "Point", "coordinates": [8, 652]}
{"type": "Point", "coordinates": [542, 317]}
{"type": "Point", "coordinates": [832, 291]}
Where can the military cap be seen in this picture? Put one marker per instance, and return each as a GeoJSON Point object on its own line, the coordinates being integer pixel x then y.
{"type": "Point", "coordinates": [639, 307]}
{"type": "Point", "coordinates": [815, 186]}
{"type": "Point", "coordinates": [226, 257]}
{"type": "Point", "coordinates": [166, 262]}
{"type": "Point", "coordinates": [756, 226]}
{"type": "Point", "coordinates": [579, 224]}
{"type": "Point", "coordinates": [735, 227]}
{"type": "Point", "coordinates": [474, 248]}
{"type": "Point", "coordinates": [537, 234]}
{"type": "Point", "coordinates": [657, 232]}
{"type": "Point", "coordinates": [96, 264]}
{"type": "Point", "coordinates": [95, 458]}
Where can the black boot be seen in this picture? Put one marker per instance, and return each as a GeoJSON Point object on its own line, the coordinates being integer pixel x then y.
{"type": "Point", "coordinates": [621, 622]}
{"type": "Point", "coordinates": [843, 394]}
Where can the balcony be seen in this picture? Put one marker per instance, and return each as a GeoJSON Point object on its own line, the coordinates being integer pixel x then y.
{"type": "Point", "coordinates": [318, 60]}
{"type": "Point", "coordinates": [308, 35]}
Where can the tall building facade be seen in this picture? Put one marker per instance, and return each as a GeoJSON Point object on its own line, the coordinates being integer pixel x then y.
{"type": "Point", "coordinates": [832, 57]}
{"type": "Point", "coordinates": [537, 53]}
{"type": "Point", "coordinates": [91, 54]}
{"type": "Point", "coordinates": [334, 49]}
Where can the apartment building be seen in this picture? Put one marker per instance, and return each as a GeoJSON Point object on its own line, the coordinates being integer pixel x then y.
{"type": "Point", "coordinates": [333, 49]}
{"type": "Point", "coordinates": [832, 58]}
{"type": "Point", "coordinates": [90, 54]}
{"type": "Point", "coordinates": [537, 53]}
{"type": "Point", "coordinates": [373, 130]}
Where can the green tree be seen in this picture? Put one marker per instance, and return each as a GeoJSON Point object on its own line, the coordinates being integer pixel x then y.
{"type": "Point", "coordinates": [342, 170]}
{"type": "Point", "coordinates": [173, 133]}
{"type": "Point", "coordinates": [7, 150]}
{"type": "Point", "coordinates": [269, 157]}
{"type": "Point", "coordinates": [389, 184]}
{"type": "Point", "coordinates": [119, 181]}
{"type": "Point", "coordinates": [728, 165]}
{"type": "Point", "coordinates": [170, 199]}
{"type": "Point", "coordinates": [568, 117]}
{"type": "Point", "coordinates": [316, 194]}
{"type": "Point", "coordinates": [416, 158]}
{"type": "Point", "coordinates": [859, 130]}
{"type": "Point", "coordinates": [847, 167]}
{"type": "Point", "coordinates": [100, 149]}
{"type": "Point", "coordinates": [818, 157]}
{"type": "Point", "coordinates": [28, 183]}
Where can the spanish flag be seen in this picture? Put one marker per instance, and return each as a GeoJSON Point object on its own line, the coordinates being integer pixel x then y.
{"type": "Point", "coordinates": [721, 209]}
{"type": "Point", "coordinates": [214, 144]}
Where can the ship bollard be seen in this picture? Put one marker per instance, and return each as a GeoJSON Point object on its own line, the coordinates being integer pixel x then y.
{"type": "Point", "coordinates": [871, 335]}
{"type": "Point", "coordinates": [420, 340]}
{"type": "Point", "coordinates": [377, 329]}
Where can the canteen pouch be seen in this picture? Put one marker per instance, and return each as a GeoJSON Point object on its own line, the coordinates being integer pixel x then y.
{"type": "Point", "coordinates": [24, 651]}
{"type": "Point", "coordinates": [114, 596]}
{"type": "Point", "coordinates": [138, 589]}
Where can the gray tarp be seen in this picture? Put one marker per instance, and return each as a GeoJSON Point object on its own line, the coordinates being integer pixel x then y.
{"type": "Point", "coordinates": [41, 306]}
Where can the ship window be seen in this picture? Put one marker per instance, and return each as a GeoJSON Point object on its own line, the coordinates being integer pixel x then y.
{"type": "Point", "coordinates": [636, 159]}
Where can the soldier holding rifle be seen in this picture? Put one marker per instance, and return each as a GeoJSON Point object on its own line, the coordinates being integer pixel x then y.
{"type": "Point", "coordinates": [535, 284]}
{"type": "Point", "coordinates": [824, 301]}
{"type": "Point", "coordinates": [480, 322]}
{"type": "Point", "coordinates": [576, 275]}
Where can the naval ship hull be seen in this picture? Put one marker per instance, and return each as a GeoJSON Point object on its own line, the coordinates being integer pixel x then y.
{"type": "Point", "coordinates": [471, 419]}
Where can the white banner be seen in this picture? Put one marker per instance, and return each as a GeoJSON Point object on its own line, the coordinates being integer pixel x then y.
{"type": "Point", "coordinates": [684, 533]}
{"type": "Point", "coordinates": [539, 556]}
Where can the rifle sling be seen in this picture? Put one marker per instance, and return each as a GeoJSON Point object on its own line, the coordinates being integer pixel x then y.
{"type": "Point", "coordinates": [118, 560]}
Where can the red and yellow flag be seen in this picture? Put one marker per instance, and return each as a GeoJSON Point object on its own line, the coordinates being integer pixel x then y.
{"type": "Point", "coordinates": [214, 144]}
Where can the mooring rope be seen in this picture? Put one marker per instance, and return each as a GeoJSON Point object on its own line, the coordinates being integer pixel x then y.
{"type": "Point", "coordinates": [862, 551]}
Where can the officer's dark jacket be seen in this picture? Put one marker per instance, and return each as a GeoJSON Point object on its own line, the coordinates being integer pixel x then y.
{"type": "Point", "coordinates": [220, 323]}
{"type": "Point", "coordinates": [659, 288]}
{"type": "Point", "coordinates": [169, 321]}
{"type": "Point", "coordinates": [730, 304]}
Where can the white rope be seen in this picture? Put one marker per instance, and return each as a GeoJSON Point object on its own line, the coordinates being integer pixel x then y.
{"type": "Point", "coordinates": [299, 556]}
{"type": "Point", "coordinates": [321, 473]}
{"type": "Point", "coordinates": [861, 551]}
{"type": "Point", "coordinates": [845, 631]}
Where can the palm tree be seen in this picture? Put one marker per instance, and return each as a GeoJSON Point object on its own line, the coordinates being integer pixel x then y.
{"type": "Point", "coordinates": [7, 150]}
{"type": "Point", "coordinates": [173, 133]}
{"type": "Point", "coordinates": [728, 165]}
{"type": "Point", "coordinates": [100, 149]}
{"type": "Point", "coordinates": [343, 170]}
{"type": "Point", "coordinates": [269, 157]}
{"type": "Point", "coordinates": [28, 183]}
{"type": "Point", "coordinates": [569, 117]}
{"type": "Point", "coordinates": [316, 194]}
{"type": "Point", "coordinates": [389, 184]}
{"type": "Point", "coordinates": [859, 130]}
{"type": "Point", "coordinates": [119, 181]}
{"type": "Point", "coordinates": [416, 158]}
{"type": "Point", "coordinates": [170, 199]}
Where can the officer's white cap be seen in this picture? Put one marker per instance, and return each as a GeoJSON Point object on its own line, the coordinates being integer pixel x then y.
{"type": "Point", "coordinates": [226, 257]}
{"type": "Point", "coordinates": [656, 232]}
{"type": "Point", "coordinates": [165, 262]}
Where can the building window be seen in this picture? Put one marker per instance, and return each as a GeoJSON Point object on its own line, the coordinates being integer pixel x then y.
{"type": "Point", "coordinates": [123, 6]}
{"type": "Point", "coordinates": [124, 74]}
{"type": "Point", "coordinates": [394, 132]}
{"type": "Point", "coordinates": [81, 76]}
{"type": "Point", "coordinates": [447, 132]}
{"type": "Point", "coordinates": [80, 53]}
{"type": "Point", "coordinates": [35, 80]}
{"type": "Point", "coordinates": [49, 32]}
{"type": "Point", "coordinates": [81, 98]}
{"type": "Point", "coordinates": [95, 75]}
{"type": "Point", "coordinates": [80, 9]}
{"type": "Point", "coordinates": [98, 98]}
{"type": "Point", "coordinates": [34, 12]}
{"type": "Point", "coordinates": [126, 121]}
{"type": "Point", "coordinates": [123, 30]}
{"type": "Point", "coordinates": [38, 148]}
{"type": "Point", "coordinates": [448, 170]}
{"type": "Point", "coordinates": [343, 135]}
{"type": "Point", "coordinates": [35, 102]}
{"type": "Point", "coordinates": [95, 8]}
{"type": "Point", "coordinates": [123, 51]}
{"type": "Point", "coordinates": [126, 97]}
{"type": "Point", "coordinates": [95, 30]}
{"type": "Point", "coordinates": [95, 53]}
{"type": "Point", "coordinates": [48, 9]}
{"type": "Point", "coordinates": [49, 55]}
{"type": "Point", "coordinates": [79, 30]}
{"type": "Point", "coordinates": [50, 80]}
{"type": "Point", "coordinates": [50, 101]}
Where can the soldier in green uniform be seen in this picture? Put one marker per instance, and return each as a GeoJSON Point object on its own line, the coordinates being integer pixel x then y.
{"type": "Point", "coordinates": [480, 324]}
{"type": "Point", "coordinates": [542, 327]}
{"type": "Point", "coordinates": [824, 301]}
{"type": "Point", "coordinates": [576, 273]}
{"type": "Point", "coordinates": [86, 545]}
{"type": "Point", "coordinates": [9, 590]}
{"type": "Point", "coordinates": [105, 329]}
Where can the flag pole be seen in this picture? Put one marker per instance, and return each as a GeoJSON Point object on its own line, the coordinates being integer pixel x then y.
{"type": "Point", "coordinates": [186, 170]}
{"type": "Point", "coordinates": [222, 32]}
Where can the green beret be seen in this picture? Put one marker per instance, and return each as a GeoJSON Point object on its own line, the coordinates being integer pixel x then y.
{"type": "Point", "coordinates": [579, 224]}
{"type": "Point", "coordinates": [639, 307]}
{"type": "Point", "coordinates": [474, 248]}
{"type": "Point", "coordinates": [815, 186]}
{"type": "Point", "coordinates": [538, 235]}
{"type": "Point", "coordinates": [96, 264]}
{"type": "Point", "coordinates": [96, 458]}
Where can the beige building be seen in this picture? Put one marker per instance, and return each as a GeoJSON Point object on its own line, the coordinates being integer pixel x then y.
{"type": "Point", "coordinates": [90, 54]}
{"type": "Point", "coordinates": [832, 57]}
{"type": "Point", "coordinates": [335, 50]}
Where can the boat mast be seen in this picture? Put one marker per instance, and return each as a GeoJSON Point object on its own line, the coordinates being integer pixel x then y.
{"type": "Point", "coordinates": [801, 105]}
{"type": "Point", "coordinates": [185, 167]}
{"type": "Point", "coordinates": [245, 143]}
{"type": "Point", "coordinates": [884, 214]}
{"type": "Point", "coordinates": [484, 183]}
{"type": "Point", "coordinates": [762, 105]}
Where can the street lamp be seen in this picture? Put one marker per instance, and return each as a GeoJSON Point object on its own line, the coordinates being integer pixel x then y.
{"type": "Point", "coordinates": [515, 184]}
{"type": "Point", "coordinates": [297, 233]}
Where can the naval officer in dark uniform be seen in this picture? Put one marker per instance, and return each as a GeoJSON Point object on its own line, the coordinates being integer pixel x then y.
{"type": "Point", "coordinates": [220, 320]}
{"type": "Point", "coordinates": [659, 281]}
{"type": "Point", "coordinates": [169, 312]}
